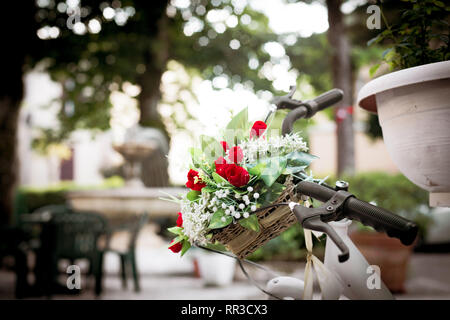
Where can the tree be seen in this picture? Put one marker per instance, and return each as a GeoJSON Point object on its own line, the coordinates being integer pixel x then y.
{"type": "Point", "coordinates": [343, 79]}
{"type": "Point", "coordinates": [340, 65]}
{"type": "Point", "coordinates": [137, 50]}
{"type": "Point", "coordinates": [11, 91]}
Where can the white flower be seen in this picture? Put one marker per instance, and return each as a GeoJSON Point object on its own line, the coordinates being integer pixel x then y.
{"type": "Point", "coordinates": [237, 215]}
{"type": "Point", "coordinates": [245, 214]}
{"type": "Point", "coordinates": [241, 206]}
{"type": "Point", "coordinates": [275, 145]}
{"type": "Point", "coordinates": [231, 208]}
{"type": "Point", "coordinates": [256, 195]}
{"type": "Point", "coordinates": [227, 212]}
{"type": "Point", "coordinates": [253, 208]}
{"type": "Point", "coordinates": [224, 206]}
{"type": "Point", "coordinates": [245, 198]}
{"type": "Point", "coordinates": [247, 202]}
{"type": "Point", "coordinates": [214, 209]}
{"type": "Point", "coordinates": [223, 219]}
{"type": "Point", "coordinates": [249, 189]}
{"type": "Point", "coordinates": [196, 218]}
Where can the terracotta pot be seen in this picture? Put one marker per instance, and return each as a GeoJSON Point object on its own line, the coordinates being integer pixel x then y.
{"type": "Point", "coordinates": [413, 107]}
{"type": "Point", "coordinates": [196, 268]}
{"type": "Point", "coordinates": [387, 253]}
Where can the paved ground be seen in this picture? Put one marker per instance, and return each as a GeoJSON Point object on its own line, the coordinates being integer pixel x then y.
{"type": "Point", "coordinates": [165, 276]}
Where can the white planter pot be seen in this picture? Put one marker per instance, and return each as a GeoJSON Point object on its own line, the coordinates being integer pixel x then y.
{"type": "Point", "coordinates": [216, 269]}
{"type": "Point", "coordinates": [413, 106]}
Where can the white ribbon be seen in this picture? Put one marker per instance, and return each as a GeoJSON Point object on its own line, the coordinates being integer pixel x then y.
{"type": "Point", "coordinates": [327, 281]}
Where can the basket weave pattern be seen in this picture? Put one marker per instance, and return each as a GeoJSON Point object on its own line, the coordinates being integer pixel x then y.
{"type": "Point", "coordinates": [272, 222]}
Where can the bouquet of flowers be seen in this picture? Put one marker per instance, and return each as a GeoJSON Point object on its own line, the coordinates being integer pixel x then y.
{"type": "Point", "coordinates": [232, 179]}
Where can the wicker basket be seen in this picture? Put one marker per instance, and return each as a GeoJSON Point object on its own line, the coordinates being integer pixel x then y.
{"type": "Point", "coordinates": [272, 222]}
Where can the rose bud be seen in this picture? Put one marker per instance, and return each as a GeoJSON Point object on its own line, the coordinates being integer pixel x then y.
{"type": "Point", "coordinates": [194, 182]}
{"type": "Point", "coordinates": [180, 220]}
{"type": "Point", "coordinates": [235, 154]}
{"type": "Point", "coordinates": [176, 247]}
{"type": "Point", "coordinates": [258, 129]}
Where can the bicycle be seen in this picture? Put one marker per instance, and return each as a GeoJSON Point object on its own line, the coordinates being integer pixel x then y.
{"type": "Point", "coordinates": [333, 217]}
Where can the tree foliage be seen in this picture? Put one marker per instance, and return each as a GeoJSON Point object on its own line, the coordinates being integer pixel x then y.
{"type": "Point", "coordinates": [109, 44]}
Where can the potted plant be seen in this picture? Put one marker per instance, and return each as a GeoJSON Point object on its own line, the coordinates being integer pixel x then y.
{"type": "Point", "coordinates": [413, 103]}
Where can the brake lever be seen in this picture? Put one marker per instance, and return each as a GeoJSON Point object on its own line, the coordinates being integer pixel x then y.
{"type": "Point", "coordinates": [287, 101]}
{"type": "Point", "coordinates": [316, 219]}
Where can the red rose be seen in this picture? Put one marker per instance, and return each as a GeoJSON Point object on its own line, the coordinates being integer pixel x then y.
{"type": "Point", "coordinates": [237, 175]}
{"type": "Point", "coordinates": [180, 220]}
{"type": "Point", "coordinates": [235, 154]}
{"type": "Point", "coordinates": [258, 129]}
{"type": "Point", "coordinates": [221, 166]}
{"type": "Point", "coordinates": [192, 174]}
{"type": "Point", "coordinates": [176, 247]}
{"type": "Point", "coordinates": [224, 145]}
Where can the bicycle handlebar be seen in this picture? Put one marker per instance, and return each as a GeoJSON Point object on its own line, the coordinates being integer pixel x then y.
{"type": "Point", "coordinates": [380, 219]}
{"type": "Point", "coordinates": [309, 108]}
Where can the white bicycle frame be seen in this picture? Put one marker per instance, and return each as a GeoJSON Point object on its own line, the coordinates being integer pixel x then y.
{"type": "Point", "coordinates": [352, 275]}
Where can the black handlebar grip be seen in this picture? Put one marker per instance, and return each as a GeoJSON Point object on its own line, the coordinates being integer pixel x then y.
{"type": "Point", "coordinates": [315, 190]}
{"type": "Point", "coordinates": [380, 219]}
{"type": "Point", "coordinates": [328, 98]}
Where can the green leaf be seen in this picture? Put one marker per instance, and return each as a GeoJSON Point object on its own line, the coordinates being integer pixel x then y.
{"type": "Point", "coordinates": [374, 69]}
{"type": "Point", "coordinates": [269, 195]}
{"type": "Point", "coordinates": [176, 240]}
{"type": "Point", "coordinates": [250, 223]}
{"type": "Point", "coordinates": [216, 246]}
{"type": "Point", "coordinates": [239, 121]}
{"type": "Point", "coordinates": [274, 166]}
{"type": "Point", "coordinates": [374, 40]}
{"type": "Point", "coordinates": [256, 169]}
{"type": "Point", "coordinates": [176, 230]}
{"type": "Point", "coordinates": [218, 178]}
{"type": "Point", "coordinates": [192, 195]}
{"type": "Point", "coordinates": [196, 155]}
{"type": "Point", "coordinates": [185, 248]}
{"type": "Point", "coordinates": [211, 148]}
{"type": "Point", "coordinates": [298, 158]}
{"type": "Point", "coordinates": [298, 161]}
{"type": "Point", "coordinates": [385, 52]}
{"type": "Point", "coordinates": [238, 128]}
{"type": "Point", "coordinates": [208, 189]}
{"type": "Point", "coordinates": [216, 220]}
{"type": "Point", "coordinates": [292, 170]}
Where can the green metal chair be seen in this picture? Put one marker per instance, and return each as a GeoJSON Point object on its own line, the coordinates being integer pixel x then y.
{"type": "Point", "coordinates": [128, 256]}
{"type": "Point", "coordinates": [75, 236]}
{"type": "Point", "coordinates": [39, 230]}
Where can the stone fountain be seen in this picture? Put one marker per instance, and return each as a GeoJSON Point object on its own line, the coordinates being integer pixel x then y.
{"type": "Point", "coordinates": [134, 198]}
